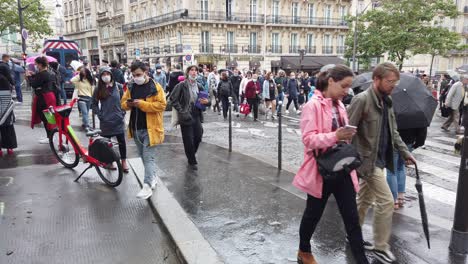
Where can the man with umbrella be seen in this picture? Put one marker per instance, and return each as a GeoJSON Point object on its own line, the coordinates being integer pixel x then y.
{"type": "Point", "coordinates": [372, 113]}
{"type": "Point", "coordinates": [453, 101]}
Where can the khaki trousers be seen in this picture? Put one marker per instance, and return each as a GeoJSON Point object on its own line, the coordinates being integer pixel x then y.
{"type": "Point", "coordinates": [375, 189]}
{"type": "Point", "coordinates": [454, 119]}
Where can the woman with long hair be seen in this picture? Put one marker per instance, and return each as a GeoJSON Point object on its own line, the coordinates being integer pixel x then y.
{"type": "Point", "coordinates": [84, 83]}
{"type": "Point", "coordinates": [270, 93]}
{"type": "Point", "coordinates": [106, 104]}
{"type": "Point", "coordinates": [323, 124]}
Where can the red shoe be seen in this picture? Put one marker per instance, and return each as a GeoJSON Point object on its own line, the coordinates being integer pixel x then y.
{"type": "Point", "coordinates": [10, 151]}
{"type": "Point", "coordinates": [305, 258]}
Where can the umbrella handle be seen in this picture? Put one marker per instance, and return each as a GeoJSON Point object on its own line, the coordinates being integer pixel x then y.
{"type": "Point", "coordinates": [417, 171]}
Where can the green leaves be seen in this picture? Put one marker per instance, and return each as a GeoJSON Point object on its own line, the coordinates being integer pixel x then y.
{"type": "Point", "coordinates": [403, 28]}
{"type": "Point", "coordinates": [35, 20]}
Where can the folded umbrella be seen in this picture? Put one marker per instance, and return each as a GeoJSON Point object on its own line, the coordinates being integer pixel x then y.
{"type": "Point", "coordinates": [422, 207]}
{"type": "Point", "coordinates": [413, 104]}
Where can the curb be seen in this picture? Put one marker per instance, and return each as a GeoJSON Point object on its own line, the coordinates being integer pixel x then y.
{"type": "Point", "coordinates": [192, 247]}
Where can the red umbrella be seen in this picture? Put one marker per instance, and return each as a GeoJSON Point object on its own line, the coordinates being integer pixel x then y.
{"type": "Point", "coordinates": [30, 60]}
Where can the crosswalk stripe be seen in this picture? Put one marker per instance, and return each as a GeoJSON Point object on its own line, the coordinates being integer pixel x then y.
{"type": "Point", "coordinates": [438, 156]}
{"type": "Point", "coordinates": [447, 139]}
{"type": "Point", "coordinates": [434, 192]}
{"type": "Point", "coordinates": [438, 171]}
{"type": "Point", "coordinates": [439, 145]}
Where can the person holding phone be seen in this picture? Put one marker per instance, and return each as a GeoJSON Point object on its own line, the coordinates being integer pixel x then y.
{"type": "Point", "coordinates": [323, 124]}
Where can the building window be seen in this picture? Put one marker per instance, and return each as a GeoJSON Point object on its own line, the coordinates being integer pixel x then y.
{"type": "Point", "coordinates": [450, 64]}
{"type": "Point", "coordinates": [253, 10]}
{"type": "Point", "coordinates": [275, 43]}
{"type": "Point", "coordinates": [228, 8]}
{"type": "Point", "coordinates": [310, 13]}
{"type": "Point", "coordinates": [295, 13]}
{"type": "Point", "coordinates": [340, 49]}
{"type": "Point", "coordinates": [205, 42]}
{"type": "Point", "coordinates": [327, 48]}
{"type": "Point", "coordinates": [84, 44]}
{"type": "Point", "coordinates": [204, 9]}
{"type": "Point", "coordinates": [327, 14]}
{"type": "Point", "coordinates": [310, 48]}
{"type": "Point", "coordinates": [275, 11]}
{"type": "Point", "coordinates": [294, 48]}
{"type": "Point", "coordinates": [342, 12]}
{"type": "Point", "coordinates": [230, 38]}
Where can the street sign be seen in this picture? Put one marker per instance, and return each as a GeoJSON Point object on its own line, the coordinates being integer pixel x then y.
{"type": "Point", "coordinates": [24, 33]}
{"type": "Point", "coordinates": [137, 52]}
{"type": "Point", "coordinates": [188, 57]}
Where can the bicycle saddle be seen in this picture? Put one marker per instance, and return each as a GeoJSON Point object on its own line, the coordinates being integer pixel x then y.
{"type": "Point", "coordinates": [93, 133]}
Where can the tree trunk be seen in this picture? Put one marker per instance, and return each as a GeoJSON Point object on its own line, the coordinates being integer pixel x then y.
{"type": "Point", "coordinates": [432, 63]}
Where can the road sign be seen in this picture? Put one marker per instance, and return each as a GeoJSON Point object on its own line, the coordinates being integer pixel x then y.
{"type": "Point", "coordinates": [137, 52]}
{"type": "Point", "coordinates": [24, 33]}
{"type": "Point", "coordinates": [188, 57]}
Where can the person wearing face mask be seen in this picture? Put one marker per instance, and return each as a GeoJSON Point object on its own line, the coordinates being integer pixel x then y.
{"type": "Point", "coordinates": [322, 126]}
{"type": "Point", "coordinates": [243, 84]}
{"type": "Point", "coordinates": [146, 101]}
{"type": "Point", "coordinates": [190, 106]}
{"type": "Point", "coordinates": [225, 90]}
{"type": "Point", "coordinates": [372, 113]}
{"type": "Point", "coordinates": [160, 77]}
{"type": "Point", "coordinates": [42, 83]}
{"type": "Point", "coordinates": [106, 105]}
{"type": "Point", "coordinates": [270, 93]}
{"type": "Point", "coordinates": [84, 83]}
{"type": "Point", "coordinates": [252, 93]}
{"type": "Point", "coordinates": [292, 91]}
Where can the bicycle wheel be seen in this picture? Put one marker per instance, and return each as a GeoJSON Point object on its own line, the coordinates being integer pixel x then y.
{"type": "Point", "coordinates": [112, 173]}
{"type": "Point", "coordinates": [65, 153]}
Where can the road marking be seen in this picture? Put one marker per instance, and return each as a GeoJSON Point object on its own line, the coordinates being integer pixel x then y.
{"type": "Point", "coordinates": [435, 192]}
{"type": "Point", "coordinates": [447, 139]}
{"type": "Point", "coordinates": [438, 171]}
{"type": "Point", "coordinates": [8, 180]}
{"type": "Point", "coordinates": [2, 210]}
{"type": "Point", "coordinates": [439, 145]}
{"type": "Point", "coordinates": [438, 156]}
{"type": "Point", "coordinates": [291, 118]}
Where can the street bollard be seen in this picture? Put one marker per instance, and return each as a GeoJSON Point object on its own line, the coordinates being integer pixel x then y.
{"type": "Point", "coordinates": [230, 124]}
{"type": "Point", "coordinates": [94, 119]}
{"type": "Point", "coordinates": [459, 238]}
{"type": "Point", "coordinates": [280, 134]}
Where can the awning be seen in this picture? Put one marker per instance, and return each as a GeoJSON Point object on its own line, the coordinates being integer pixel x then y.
{"type": "Point", "coordinates": [231, 64]}
{"type": "Point", "coordinates": [254, 64]}
{"type": "Point", "coordinates": [310, 63]}
{"type": "Point", "coordinates": [276, 63]}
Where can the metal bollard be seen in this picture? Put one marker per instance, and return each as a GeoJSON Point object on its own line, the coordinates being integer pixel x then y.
{"type": "Point", "coordinates": [230, 123]}
{"type": "Point", "coordinates": [94, 119]}
{"type": "Point", "coordinates": [280, 134]}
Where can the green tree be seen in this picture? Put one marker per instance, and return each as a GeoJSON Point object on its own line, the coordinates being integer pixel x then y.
{"type": "Point", "coordinates": [399, 28]}
{"type": "Point", "coordinates": [35, 19]}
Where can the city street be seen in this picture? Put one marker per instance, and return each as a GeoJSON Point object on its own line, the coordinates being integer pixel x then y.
{"type": "Point", "coordinates": [247, 210]}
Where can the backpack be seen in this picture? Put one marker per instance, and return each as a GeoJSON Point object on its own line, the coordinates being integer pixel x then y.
{"type": "Point", "coordinates": [225, 88]}
{"type": "Point", "coordinates": [54, 81]}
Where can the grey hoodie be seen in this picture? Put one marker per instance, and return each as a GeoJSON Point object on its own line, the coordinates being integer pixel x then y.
{"type": "Point", "coordinates": [110, 114]}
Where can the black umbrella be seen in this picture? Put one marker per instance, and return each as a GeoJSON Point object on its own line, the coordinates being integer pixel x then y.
{"type": "Point", "coordinates": [362, 82]}
{"type": "Point", "coordinates": [422, 207]}
{"type": "Point", "coordinates": [413, 104]}
{"type": "Point", "coordinates": [463, 68]}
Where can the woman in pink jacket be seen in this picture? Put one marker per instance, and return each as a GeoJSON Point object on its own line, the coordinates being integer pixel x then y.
{"type": "Point", "coordinates": [322, 125]}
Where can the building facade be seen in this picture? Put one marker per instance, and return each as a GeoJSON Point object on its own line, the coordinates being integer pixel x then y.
{"type": "Point", "coordinates": [81, 26]}
{"type": "Point", "coordinates": [234, 33]}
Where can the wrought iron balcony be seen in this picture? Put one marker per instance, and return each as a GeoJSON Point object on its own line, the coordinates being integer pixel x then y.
{"type": "Point", "coordinates": [231, 48]}
{"type": "Point", "coordinates": [156, 50]}
{"type": "Point", "coordinates": [327, 49]}
{"type": "Point", "coordinates": [275, 49]}
{"type": "Point", "coordinates": [179, 48]}
{"type": "Point", "coordinates": [340, 49]}
{"type": "Point", "coordinates": [313, 21]}
{"type": "Point", "coordinates": [167, 48]}
{"type": "Point", "coordinates": [311, 49]}
{"type": "Point", "coordinates": [206, 48]}
{"type": "Point", "coordinates": [256, 49]}
{"type": "Point", "coordinates": [146, 51]}
{"type": "Point", "coordinates": [222, 16]}
{"type": "Point", "coordinates": [294, 49]}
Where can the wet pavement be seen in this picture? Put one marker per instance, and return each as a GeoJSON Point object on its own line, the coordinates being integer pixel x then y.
{"type": "Point", "coordinates": [45, 217]}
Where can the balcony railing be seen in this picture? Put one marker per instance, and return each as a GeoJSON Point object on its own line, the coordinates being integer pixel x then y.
{"type": "Point", "coordinates": [156, 50]}
{"type": "Point", "coordinates": [184, 14]}
{"type": "Point", "coordinates": [294, 49]}
{"type": "Point", "coordinates": [179, 48]}
{"type": "Point", "coordinates": [340, 49]}
{"type": "Point", "coordinates": [253, 49]}
{"type": "Point", "coordinates": [313, 21]}
{"type": "Point", "coordinates": [133, 1]}
{"type": "Point", "coordinates": [167, 48]}
{"type": "Point", "coordinates": [146, 51]}
{"type": "Point", "coordinates": [206, 48]}
{"type": "Point", "coordinates": [465, 10]}
{"type": "Point", "coordinates": [232, 48]}
{"type": "Point", "coordinates": [275, 49]}
{"type": "Point", "coordinates": [327, 49]}
{"type": "Point", "coordinates": [310, 49]}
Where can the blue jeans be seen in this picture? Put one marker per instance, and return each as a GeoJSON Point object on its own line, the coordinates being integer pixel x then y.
{"type": "Point", "coordinates": [397, 180]}
{"type": "Point", "coordinates": [84, 104]}
{"type": "Point", "coordinates": [19, 94]}
{"type": "Point", "coordinates": [63, 94]}
{"type": "Point", "coordinates": [147, 154]}
{"type": "Point", "coordinates": [280, 97]}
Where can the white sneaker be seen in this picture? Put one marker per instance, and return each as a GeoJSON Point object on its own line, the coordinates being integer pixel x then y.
{"type": "Point", "coordinates": [44, 141]}
{"type": "Point", "coordinates": [153, 184]}
{"type": "Point", "coordinates": [286, 112]}
{"type": "Point", "coordinates": [298, 112]}
{"type": "Point", "coordinates": [145, 192]}
{"type": "Point", "coordinates": [384, 256]}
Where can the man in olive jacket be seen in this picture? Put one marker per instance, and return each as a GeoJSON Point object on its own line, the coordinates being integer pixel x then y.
{"type": "Point", "coordinates": [371, 111]}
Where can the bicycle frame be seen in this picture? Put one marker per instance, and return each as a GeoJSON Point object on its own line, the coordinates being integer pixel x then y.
{"type": "Point", "coordinates": [64, 128]}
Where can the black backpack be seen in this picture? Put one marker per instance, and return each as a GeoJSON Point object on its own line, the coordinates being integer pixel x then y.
{"type": "Point", "coordinates": [225, 88]}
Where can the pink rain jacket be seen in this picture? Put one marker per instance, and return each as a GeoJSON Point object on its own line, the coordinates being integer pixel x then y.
{"type": "Point", "coordinates": [316, 126]}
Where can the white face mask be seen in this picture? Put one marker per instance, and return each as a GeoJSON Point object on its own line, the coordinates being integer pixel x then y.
{"type": "Point", "coordinates": [106, 79]}
{"type": "Point", "coordinates": [36, 68]}
{"type": "Point", "coordinates": [254, 80]}
{"type": "Point", "coordinates": [139, 80]}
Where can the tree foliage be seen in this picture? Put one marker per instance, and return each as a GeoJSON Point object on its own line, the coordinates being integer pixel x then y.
{"type": "Point", "coordinates": [35, 20]}
{"type": "Point", "coordinates": [404, 28]}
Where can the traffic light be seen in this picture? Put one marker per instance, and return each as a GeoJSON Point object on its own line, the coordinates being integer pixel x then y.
{"type": "Point", "coordinates": [24, 56]}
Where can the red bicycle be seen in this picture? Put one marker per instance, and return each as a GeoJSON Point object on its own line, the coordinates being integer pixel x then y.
{"type": "Point", "coordinates": [67, 148]}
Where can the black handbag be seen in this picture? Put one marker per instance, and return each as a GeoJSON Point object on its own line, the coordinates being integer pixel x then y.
{"type": "Point", "coordinates": [338, 161]}
{"type": "Point", "coordinates": [445, 111]}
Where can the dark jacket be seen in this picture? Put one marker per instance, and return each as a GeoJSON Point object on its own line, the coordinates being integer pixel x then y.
{"type": "Point", "coordinates": [110, 114]}
{"type": "Point", "coordinates": [118, 75]}
{"type": "Point", "coordinates": [292, 88]}
{"type": "Point", "coordinates": [236, 80]}
{"type": "Point", "coordinates": [42, 82]}
{"type": "Point", "coordinates": [415, 137]}
{"type": "Point", "coordinates": [173, 80]}
{"type": "Point", "coordinates": [228, 86]}
{"type": "Point", "coordinates": [365, 112]}
{"type": "Point", "coordinates": [6, 82]}
{"type": "Point", "coordinates": [180, 100]}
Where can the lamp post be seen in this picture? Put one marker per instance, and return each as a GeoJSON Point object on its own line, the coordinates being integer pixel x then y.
{"type": "Point", "coordinates": [355, 35]}
{"type": "Point", "coordinates": [21, 22]}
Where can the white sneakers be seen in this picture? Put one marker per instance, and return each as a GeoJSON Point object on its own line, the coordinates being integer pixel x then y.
{"type": "Point", "coordinates": [287, 112]}
{"type": "Point", "coordinates": [298, 112]}
{"type": "Point", "coordinates": [145, 192]}
{"type": "Point", "coordinates": [44, 141]}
